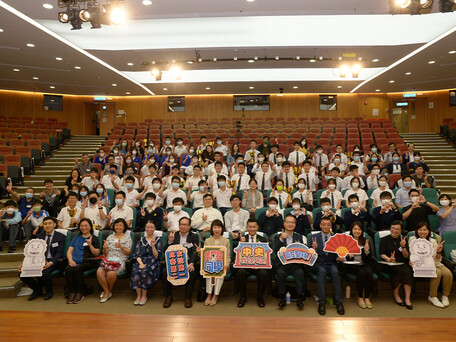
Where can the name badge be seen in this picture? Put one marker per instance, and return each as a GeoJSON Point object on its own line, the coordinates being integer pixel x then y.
{"type": "Point", "coordinates": [85, 244]}
{"type": "Point", "coordinates": [55, 244]}
{"type": "Point", "coordinates": [53, 195]}
{"type": "Point", "coordinates": [400, 249]}
{"type": "Point", "coordinates": [29, 205]}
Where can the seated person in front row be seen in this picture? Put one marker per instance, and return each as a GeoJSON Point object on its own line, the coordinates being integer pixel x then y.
{"type": "Point", "coordinates": [302, 216]}
{"type": "Point", "coordinates": [242, 274]}
{"type": "Point", "coordinates": [386, 213]}
{"type": "Point", "coordinates": [326, 265]}
{"type": "Point", "coordinates": [326, 212]}
{"type": "Point", "coordinates": [55, 242]}
{"type": "Point", "coordinates": [271, 221]}
{"type": "Point", "coordinates": [171, 219]}
{"type": "Point", "coordinates": [418, 211]}
{"type": "Point", "coordinates": [236, 219]}
{"type": "Point", "coordinates": [283, 239]}
{"type": "Point", "coordinates": [356, 213]}
{"type": "Point", "coordinates": [190, 241]}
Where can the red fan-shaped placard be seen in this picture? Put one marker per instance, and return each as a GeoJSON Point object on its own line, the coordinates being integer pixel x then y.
{"type": "Point", "coordinates": [342, 244]}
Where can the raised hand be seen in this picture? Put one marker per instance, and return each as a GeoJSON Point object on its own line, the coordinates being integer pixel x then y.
{"type": "Point", "coordinates": [143, 212]}
{"type": "Point", "coordinates": [204, 217]}
{"type": "Point", "coordinates": [283, 235]}
{"type": "Point", "coordinates": [403, 242]}
{"type": "Point", "coordinates": [366, 246]}
{"type": "Point", "coordinates": [89, 241]}
{"type": "Point", "coordinates": [314, 243]}
{"type": "Point", "coordinates": [440, 246]}
{"type": "Point", "coordinates": [242, 239]}
{"type": "Point", "coordinates": [117, 244]}
{"type": "Point", "coordinates": [198, 248]}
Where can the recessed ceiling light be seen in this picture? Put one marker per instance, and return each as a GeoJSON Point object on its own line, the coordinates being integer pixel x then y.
{"type": "Point", "coordinates": [52, 87]}
{"type": "Point", "coordinates": [452, 52]}
{"type": "Point", "coordinates": [114, 84]}
{"type": "Point", "coordinates": [375, 60]}
{"type": "Point", "coordinates": [130, 63]}
{"type": "Point", "coordinates": [251, 87]}
{"type": "Point", "coordinates": [35, 78]}
{"type": "Point", "coordinates": [250, 0]}
{"type": "Point", "coordinates": [190, 62]}
{"type": "Point", "coordinates": [77, 67]}
{"type": "Point", "coordinates": [295, 87]}
{"type": "Point", "coordinates": [16, 70]}
{"type": "Point", "coordinates": [431, 62]}
{"type": "Point", "coordinates": [408, 73]}
{"type": "Point", "coordinates": [1, 30]}
{"type": "Point", "coordinates": [208, 88]}
{"type": "Point", "coordinates": [30, 45]}
{"type": "Point", "coordinates": [312, 60]}
{"type": "Point", "coordinates": [127, 93]}
{"type": "Point", "coordinates": [58, 58]}
{"type": "Point", "coordinates": [251, 61]}
{"type": "Point", "coordinates": [48, 6]}
{"type": "Point", "coordinates": [377, 89]}
{"type": "Point", "coordinates": [165, 88]}
{"type": "Point", "coordinates": [339, 87]}
{"type": "Point", "coordinates": [147, 2]}
{"type": "Point", "coordinates": [392, 81]}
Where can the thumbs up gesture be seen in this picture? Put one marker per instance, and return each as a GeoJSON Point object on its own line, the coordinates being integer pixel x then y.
{"type": "Point", "coordinates": [366, 246]}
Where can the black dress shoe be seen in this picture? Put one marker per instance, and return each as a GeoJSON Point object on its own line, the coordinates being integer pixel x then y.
{"type": "Point", "coordinates": [260, 302]}
{"type": "Point", "coordinates": [49, 295]}
{"type": "Point", "coordinates": [11, 250]}
{"type": "Point", "coordinates": [340, 309]}
{"type": "Point", "coordinates": [282, 302]}
{"type": "Point", "coordinates": [34, 296]}
{"type": "Point", "coordinates": [410, 307]}
{"type": "Point", "coordinates": [399, 303]}
{"type": "Point", "coordinates": [321, 309]}
{"type": "Point", "coordinates": [299, 302]}
{"type": "Point", "coordinates": [242, 302]}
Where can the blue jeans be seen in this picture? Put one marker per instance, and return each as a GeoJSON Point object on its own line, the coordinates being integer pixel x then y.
{"type": "Point", "coordinates": [322, 271]}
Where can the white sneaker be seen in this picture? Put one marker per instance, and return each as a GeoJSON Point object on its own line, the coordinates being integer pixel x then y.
{"type": "Point", "coordinates": [445, 301]}
{"type": "Point", "coordinates": [436, 302]}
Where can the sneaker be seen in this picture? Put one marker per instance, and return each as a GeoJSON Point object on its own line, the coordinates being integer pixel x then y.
{"type": "Point", "coordinates": [445, 301]}
{"type": "Point", "coordinates": [436, 302]}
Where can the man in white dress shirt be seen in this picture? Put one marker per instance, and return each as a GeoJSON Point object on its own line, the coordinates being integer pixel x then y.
{"type": "Point", "coordinates": [296, 157]}
{"type": "Point", "coordinates": [264, 177]}
{"type": "Point", "coordinates": [171, 219]}
{"type": "Point", "coordinates": [236, 219]}
{"type": "Point", "coordinates": [320, 159]}
{"type": "Point", "coordinates": [202, 218]}
{"type": "Point", "coordinates": [241, 178]}
{"type": "Point", "coordinates": [309, 176]}
{"type": "Point", "coordinates": [287, 175]}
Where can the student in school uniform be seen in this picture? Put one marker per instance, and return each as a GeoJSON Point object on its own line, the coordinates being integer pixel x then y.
{"type": "Point", "coordinates": [309, 176]}
{"type": "Point", "coordinates": [342, 156]}
{"type": "Point", "coordinates": [222, 195]}
{"type": "Point", "coordinates": [305, 196]}
{"type": "Point", "coordinates": [287, 176]}
{"type": "Point", "coordinates": [395, 166]}
{"type": "Point", "coordinates": [335, 196]}
{"type": "Point", "coordinates": [241, 179]}
{"type": "Point", "coordinates": [320, 159]}
{"type": "Point", "coordinates": [326, 212]}
{"type": "Point", "coordinates": [335, 173]}
{"type": "Point", "coordinates": [281, 195]}
{"type": "Point", "coordinates": [196, 197]}
{"type": "Point", "coordinates": [417, 160]}
{"type": "Point", "coordinates": [296, 157]}
{"type": "Point", "coordinates": [388, 156]}
{"type": "Point", "coordinates": [264, 178]}
{"type": "Point", "coordinates": [383, 186]}
{"type": "Point", "coordinates": [358, 213]}
{"type": "Point", "coordinates": [355, 189]}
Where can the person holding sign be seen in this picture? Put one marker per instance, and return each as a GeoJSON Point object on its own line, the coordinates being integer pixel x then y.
{"type": "Point", "coordinates": [326, 265]}
{"type": "Point", "coordinates": [361, 265]}
{"type": "Point", "coordinates": [189, 240]}
{"type": "Point", "coordinates": [283, 239]}
{"type": "Point", "coordinates": [216, 239]}
{"type": "Point", "coordinates": [444, 275]}
{"type": "Point", "coordinates": [55, 242]}
{"type": "Point", "coordinates": [393, 250]}
{"type": "Point", "coordinates": [243, 273]}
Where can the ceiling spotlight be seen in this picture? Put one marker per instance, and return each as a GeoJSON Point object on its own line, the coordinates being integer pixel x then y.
{"type": "Point", "coordinates": [298, 58]}
{"type": "Point", "coordinates": [147, 2]}
{"type": "Point", "coordinates": [175, 72]}
{"type": "Point", "coordinates": [452, 52]}
{"type": "Point", "coordinates": [114, 84]}
{"type": "Point", "coordinates": [375, 60]}
{"type": "Point", "coordinates": [1, 30]}
{"type": "Point", "coordinates": [426, 3]}
{"type": "Point", "coordinates": [48, 6]}
{"type": "Point", "coordinates": [118, 16]}
{"type": "Point", "coordinates": [35, 78]}
{"type": "Point", "coordinates": [403, 3]}
{"type": "Point", "coordinates": [84, 15]}
{"type": "Point", "coordinates": [52, 87]}
{"type": "Point", "coordinates": [58, 58]}
{"type": "Point", "coordinates": [130, 64]}
{"type": "Point", "coordinates": [165, 89]}
{"type": "Point", "coordinates": [313, 60]}
{"type": "Point", "coordinates": [127, 93]}
{"type": "Point", "coordinates": [16, 70]}
{"type": "Point", "coordinates": [157, 74]}
{"type": "Point", "coordinates": [446, 5]}
{"type": "Point", "coordinates": [344, 70]}
{"type": "Point", "coordinates": [414, 6]}
{"type": "Point", "coordinates": [235, 59]}
{"type": "Point", "coordinates": [77, 67]}
{"type": "Point", "coordinates": [431, 62]}
{"type": "Point", "coordinates": [339, 87]}
{"type": "Point", "coordinates": [30, 45]}
{"type": "Point", "coordinates": [276, 58]}
{"type": "Point", "coordinates": [355, 70]}
{"type": "Point", "coordinates": [251, 87]}
{"type": "Point", "coordinates": [190, 62]}
{"type": "Point", "coordinates": [200, 60]}
{"type": "Point", "coordinates": [251, 61]}
{"type": "Point", "coordinates": [295, 87]}
{"type": "Point", "coordinates": [214, 59]}
{"type": "Point", "coordinates": [377, 90]}
{"type": "Point", "coordinates": [64, 17]}
{"type": "Point", "coordinates": [408, 73]}
{"type": "Point", "coordinates": [208, 88]}
{"type": "Point", "coordinates": [392, 81]}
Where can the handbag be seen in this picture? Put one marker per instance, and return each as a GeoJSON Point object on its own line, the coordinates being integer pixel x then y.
{"type": "Point", "coordinates": [110, 265]}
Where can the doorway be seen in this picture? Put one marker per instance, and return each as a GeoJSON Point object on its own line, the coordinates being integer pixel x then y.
{"type": "Point", "coordinates": [400, 115]}
{"type": "Point", "coordinates": [99, 117]}
{"type": "Point", "coordinates": [410, 115]}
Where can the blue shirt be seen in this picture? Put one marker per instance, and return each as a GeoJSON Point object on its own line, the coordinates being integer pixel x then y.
{"type": "Point", "coordinates": [402, 197]}
{"type": "Point", "coordinates": [448, 223]}
{"type": "Point", "coordinates": [78, 244]}
{"type": "Point", "coordinates": [24, 205]}
{"type": "Point", "coordinates": [186, 160]}
{"type": "Point", "coordinates": [13, 219]}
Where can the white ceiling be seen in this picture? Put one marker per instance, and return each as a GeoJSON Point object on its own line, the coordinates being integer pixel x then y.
{"type": "Point", "coordinates": [377, 36]}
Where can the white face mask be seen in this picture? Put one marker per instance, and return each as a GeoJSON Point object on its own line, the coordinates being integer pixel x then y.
{"type": "Point", "coordinates": [354, 205]}
{"type": "Point", "coordinates": [279, 159]}
{"type": "Point", "coordinates": [332, 186]}
{"type": "Point", "coordinates": [385, 201]}
{"type": "Point", "coordinates": [320, 151]}
{"type": "Point", "coordinates": [261, 159]}
{"type": "Point", "coordinates": [296, 206]}
{"type": "Point", "coordinates": [301, 185]}
{"type": "Point", "coordinates": [376, 171]}
{"type": "Point", "coordinates": [382, 183]}
{"type": "Point", "coordinates": [150, 203]}
{"type": "Point", "coordinates": [156, 186]}
{"type": "Point", "coordinates": [272, 206]}
{"type": "Point", "coordinates": [413, 199]}
{"type": "Point", "coordinates": [10, 211]}
{"type": "Point", "coordinates": [177, 208]}
{"type": "Point", "coordinates": [417, 158]}
{"type": "Point", "coordinates": [444, 203]}
{"type": "Point", "coordinates": [179, 143]}
{"type": "Point", "coordinates": [337, 160]}
{"type": "Point", "coordinates": [355, 185]}
{"type": "Point", "coordinates": [325, 207]}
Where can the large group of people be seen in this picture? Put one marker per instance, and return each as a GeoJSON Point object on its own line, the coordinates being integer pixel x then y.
{"type": "Point", "coordinates": [116, 203]}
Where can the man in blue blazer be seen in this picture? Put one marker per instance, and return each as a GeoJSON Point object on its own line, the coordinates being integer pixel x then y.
{"type": "Point", "coordinates": [283, 239]}
{"type": "Point", "coordinates": [190, 241]}
{"type": "Point", "coordinates": [55, 242]}
{"type": "Point", "coordinates": [326, 264]}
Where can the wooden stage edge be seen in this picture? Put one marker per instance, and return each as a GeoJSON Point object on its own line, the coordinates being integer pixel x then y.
{"type": "Point", "coordinates": [70, 326]}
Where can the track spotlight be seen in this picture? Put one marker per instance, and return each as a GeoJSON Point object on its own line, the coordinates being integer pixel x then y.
{"type": "Point", "coordinates": [63, 17]}
{"type": "Point", "coordinates": [446, 5]}
{"type": "Point", "coordinates": [157, 74]}
{"type": "Point", "coordinates": [344, 70]}
{"type": "Point", "coordinates": [117, 15]}
{"type": "Point", "coordinates": [355, 69]}
{"type": "Point", "coordinates": [84, 15]}
{"type": "Point", "coordinates": [175, 72]}
{"type": "Point", "coordinates": [403, 3]}
{"type": "Point", "coordinates": [426, 3]}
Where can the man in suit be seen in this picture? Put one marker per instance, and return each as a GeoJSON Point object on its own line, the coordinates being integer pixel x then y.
{"type": "Point", "coordinates": [243, 273]}
{"type": "Point", "coordinates": [285, 238]}
{"type": "Point", "coordinates": [189, 240]}
{"type": "Point", "coordinates": [55, 243]}
{"type": "Point", "coordinates": [326, 264]}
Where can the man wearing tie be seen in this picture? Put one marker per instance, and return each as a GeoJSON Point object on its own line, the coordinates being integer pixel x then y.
{"type": "Point", "coordinates": [296, 157]}
{"type": "Point", "coordinates": [326, 264]}
{"type": "Point", "coordinates": [189, 240]}
{"type": "Point", "coordinates": [243, 273]}
{"type": "Point", "coordinates": [308, 173]}
{"type": "Point", "coordinates": [283, 239]}
{"type": "Point", "coordinates": [264, 178]}
{"type": "Point", "coordinates": [287, 175]}
{"type": "Point", "coordinates": [55, 242]}
{"type": "Point", "coordinates": [320, 159]}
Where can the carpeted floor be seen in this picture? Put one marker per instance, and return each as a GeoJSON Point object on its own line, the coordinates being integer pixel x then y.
{"type": "Point", "coordinates": [122, 302]}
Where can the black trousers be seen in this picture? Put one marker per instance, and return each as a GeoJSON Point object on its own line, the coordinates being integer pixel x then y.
{"type": "Point", "coordinates": [241, 280]}
{"type": "Point", "coordinates": [74, 276]}
{"type": "Point", "coordinates": [37, 283]}
{"type": "Point", "coordinates": [291, 269]}
{"type": "Point", "coordinates": [168, 287]}
{"type": "Point", "coordinates": [364, 279]}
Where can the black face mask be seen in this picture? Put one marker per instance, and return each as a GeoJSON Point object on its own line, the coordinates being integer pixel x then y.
{"type": "Point", "coordinates": [93, 200]}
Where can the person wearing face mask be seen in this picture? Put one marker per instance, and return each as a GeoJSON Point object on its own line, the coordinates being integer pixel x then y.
{"type": "Point", "coordinates": [101, 158]}
{"type": "Point", "coordinates": [280, 159]}
{"type": "Point", "coordinates": [83, 201]}
{"type": "Point", "coordinates": [372, 179]}
{"type": "Point", "coordinates": [341, 154]}
{"type": "Point", "coordinates": [221, 148]}
{"type": "Point", "coordinates": [374, 150]}
{"type": "Point", "coordinates": [146, 180]}
{"type": "Point", "coordinates": [446, 214]}
{"type": "Point", "coordinates": [418, 211]}
{"type": "Point", "coordinates": [357, 161]}
{"type": "Point", "coordinates": [124, 147]}
{"type": "Point", "coordinates": [297, 157]}
{"type": "Point", "coordinates": [121, 210]}
{"type": "Point", "coordinates": [180, 148]}
{"type": "Point", "coordinates": [388, 156]}
{"type": "Point", "coordinates": [355, 189]}
{"type": "Point", "coordinates": [336, 162]}
{"type": "Point", "coordinates": [111, 180]}
{"type": "Point", "coordinates": [305, 196]}
{"type": "Point", "coordinates": [374, 161]}
{"type": "Point", "coordinates": [171, 219]}
{"type": "Point", "coordinates": [407, 157]}
{"type": "Point", "coordinates": [327, 212]}
{"type": "Point", "coordinates": [417, 160]}
{"type": "Point", "coordinates": [402, 195]}
{"type": "Point", "coordinates": [304, 147]}
{"type": "Point", "coordinates": [265, 147]}
{"type": "Point", "coordinates": [150, 155]}
{"type": "Point", "coordinates": [303, 217]}
{"type": "Point", "coordinates": [91, 181]}
{"type": "Point", "coordinates": [10, 220]}
{"type": "Point", "coordinates": [188, 171]}
{"type": "Point", "coordinates": [354, 172]}
{"type": "Point", "coordinates": [187, 157]}
{"type": "Point", "coordinates": [129, 173]}
{"type": "Point", "coordinates": [286, 175]}
{"type": "Point", "coordinates": [173, 192]}
{"type": "Point", "coordinates": [136, 156]}
{"type": "Point", "coordinates": [320, 159]}
{"type": "Point", "coordinates": [165, 161]}
{"type": "Point", "coordinates": [336, 174]}
{"type": "Point", "coordinates": [211, 169]}
{"type": "Point", "coordinates": [395, 166]}
{"type": "Point", "coordinates": [196, 197]}
{"type": "Point", "coordinates": [264, 178]}
{"type": "Point", "coordinates": [154, 187]}
{"type": "Point", "coordinates": [257, 166]}
{"type": "Point", "coordinates": [335, 196]}
{"type": "Point", "coordinates": [202, 218]}
{"type": "Point", "coordinates": [138, 147]}
{"type": "Point", "coordinates": [236, 219]}
{"type": "Point", "coordinates": [150, 211]}
{"type": "Point", "coordinates": [174, 173]}
{"type": "Point", "coordinates": [24, 203]}
{"type": "Point", "coordinates": [281, 195]}
{"type": "Point", "coordinates": [382, 187]}
{"type": "Point", "coordinates": [308, 174]}
{"type": "Point", "coordinates": [102, 195]}
{"type": "Point", "coordinates": [357, 212]}
{"type": "Point", "coordinates": [271, 221]}
{"type": "Point", "coordinates": [386, 212]}
{"type": "Point", "coordinates": [167, 145]}
{"type": "Point", "coordinates": [95, 211]}
{"type": "Point", "coordinates": [33, 221]}
{"type": "Point", "coordinates": [222, 194]}
{"type": "Point", "coordinates": [130, 192]}
{"type": "Point", "coordinates": [128, 162]}
{"type": "Point", "coordinates": [192, 182]}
